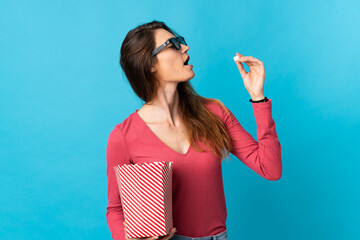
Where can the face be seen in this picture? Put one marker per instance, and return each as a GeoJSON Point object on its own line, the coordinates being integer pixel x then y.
{"type": "Point", "coordinates": [170, 65]}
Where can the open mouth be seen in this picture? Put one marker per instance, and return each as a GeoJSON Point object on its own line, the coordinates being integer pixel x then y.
{"type": "Point", "coordinates": [187, 61]}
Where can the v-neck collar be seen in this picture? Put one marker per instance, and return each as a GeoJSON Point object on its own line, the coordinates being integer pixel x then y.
{"type": "Point", "coordinates": [158, 139]}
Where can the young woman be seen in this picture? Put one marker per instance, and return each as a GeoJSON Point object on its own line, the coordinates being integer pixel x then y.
{"type": "Point", "coordinates": [195, 133]}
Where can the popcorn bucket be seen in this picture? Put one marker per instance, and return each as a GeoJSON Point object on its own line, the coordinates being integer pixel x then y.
{"type": "Point", "coordinates": [146, 198]}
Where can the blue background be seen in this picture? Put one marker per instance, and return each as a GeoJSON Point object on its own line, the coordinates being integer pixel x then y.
{"type": "Point", "coordinates": [62, 91]}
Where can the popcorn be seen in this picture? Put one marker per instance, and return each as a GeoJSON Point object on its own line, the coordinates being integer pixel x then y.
{"type": "Point", "coordinates": [236, 58]}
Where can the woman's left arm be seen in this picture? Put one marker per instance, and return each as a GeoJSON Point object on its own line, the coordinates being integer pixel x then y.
{"type": "Point", "coordinates": [264, 157]}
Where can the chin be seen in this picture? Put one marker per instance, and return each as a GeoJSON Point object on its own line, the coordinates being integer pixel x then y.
{"type": "Point", "coordinates": [192, 76]}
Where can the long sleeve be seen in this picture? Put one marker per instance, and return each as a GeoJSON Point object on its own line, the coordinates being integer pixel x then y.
{"type": "Point", "coordinates": [116, 154]}
{"type": "Point", "coordinates": [263, 157]}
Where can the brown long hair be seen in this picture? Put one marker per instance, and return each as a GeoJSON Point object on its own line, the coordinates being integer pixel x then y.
{"type": "Point", "coordinates": [136, 62]}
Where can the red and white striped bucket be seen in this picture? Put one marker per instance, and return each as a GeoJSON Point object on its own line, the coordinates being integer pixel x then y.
{"type": "Point", "coordinates": [146, 198]}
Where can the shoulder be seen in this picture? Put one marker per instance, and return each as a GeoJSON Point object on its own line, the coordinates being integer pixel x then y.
{"type": "Point", "coordinates": [217, 107]}
{"type": "Point", "coordinates": [121, 129]}
{"type": "Point", "coordinates": [129, 131]}
{"type": "Point", "coordinates": [117, 145]}
{"type": "Point", "coordinates": [222, 111]}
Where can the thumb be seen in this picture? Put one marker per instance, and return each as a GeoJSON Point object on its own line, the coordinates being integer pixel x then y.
{"type": "Point", "coordinates": [240, 66]}
{"type": "Point", "coordinates": [125, 228]}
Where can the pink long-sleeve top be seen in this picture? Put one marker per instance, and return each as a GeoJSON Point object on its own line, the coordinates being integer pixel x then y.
{"type": "Point", "coordinates": [199, 207]}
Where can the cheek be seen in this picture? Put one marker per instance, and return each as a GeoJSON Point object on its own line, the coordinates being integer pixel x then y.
{"type": "Point", "coordinates": [172, 65]}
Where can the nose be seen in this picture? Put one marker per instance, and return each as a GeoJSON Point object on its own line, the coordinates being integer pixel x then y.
{"type": "Point", "coordinates": [184, 47]}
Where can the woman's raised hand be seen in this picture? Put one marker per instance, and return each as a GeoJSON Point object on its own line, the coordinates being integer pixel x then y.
{"type": "Point", "coordinates": [255, 78]}
{"type": "Point", "coordinates": [166, 237]}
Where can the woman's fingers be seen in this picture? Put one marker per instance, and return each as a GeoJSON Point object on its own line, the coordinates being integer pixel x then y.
{"type": "Point", "coordinates": [239, 55]}
{"type": "Point", "coordinates": [153, 238]}
{"type": "Point", "coordinates": [170, 235]}
{"type": "Point", "coordinates": [240, 66]}
{"type": "Point", "coordinates": [125, 229]}
{"type": "Point", "coordinates": [250, 60]}
{"type": "Point", "coordinates": [172, 232]}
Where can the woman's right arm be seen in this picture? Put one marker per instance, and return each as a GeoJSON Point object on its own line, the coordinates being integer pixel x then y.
{"type": "Point", "coordinates": [116, 154]}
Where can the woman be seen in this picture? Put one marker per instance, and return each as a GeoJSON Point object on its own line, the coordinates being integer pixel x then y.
{"type": "Point", "coordinates": [195, 133]}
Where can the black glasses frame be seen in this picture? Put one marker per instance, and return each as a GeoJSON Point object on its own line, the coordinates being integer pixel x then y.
{"type": "Point", "coordinates": [175, 41]}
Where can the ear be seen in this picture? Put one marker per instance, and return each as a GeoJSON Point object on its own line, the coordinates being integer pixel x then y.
{"type": "Point", "coordinates": [153, 69]}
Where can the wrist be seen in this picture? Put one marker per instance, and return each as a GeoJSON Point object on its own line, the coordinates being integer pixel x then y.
{"type": "Point", "coordinates": [258, 101]}
{"type": "Point", "coordinates": [256, 98]}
